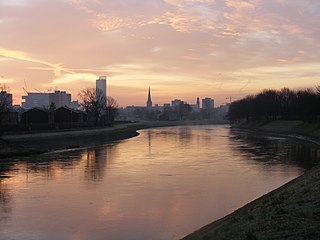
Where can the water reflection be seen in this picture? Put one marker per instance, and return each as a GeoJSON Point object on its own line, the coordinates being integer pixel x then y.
{"type": "Point", "coordinates": [51, 165]}
{"type": "Point", "coordinates": [270, 149]}
{"type": "Point", "coordinates": [95, 162]}
{"type": "Point", "coordinates": [163, 184]}
{"type": "Point", "coordinates": [5, 201]}
{"type": "Point", "coordinates": [94, 165]}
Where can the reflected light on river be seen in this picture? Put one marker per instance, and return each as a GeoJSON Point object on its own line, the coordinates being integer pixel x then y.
{"type": "Point", "coordinates": [163, 184]}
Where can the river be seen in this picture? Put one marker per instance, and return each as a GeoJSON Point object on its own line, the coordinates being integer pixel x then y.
{"type": "Point", "coordinates": [161, 185]}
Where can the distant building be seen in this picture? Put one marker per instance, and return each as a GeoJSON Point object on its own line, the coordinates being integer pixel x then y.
{"type": "Point", "coordinates": [131, 113]}
{"type": "Point", "coordinates": [166, 107]}
{"type": "Point", "coordinates": [207, 103]}
{"type": "Point", "coordinates": [44, 100]}
{"type": "Point", "coordinates": [157, 107]}
{"type": "Point", "coordinates": [60, 99]}
{"type": "Point", "coordinates": [5, 99]}
{"type": "Point", "coordinates": [149, 102]}
{"type": "Point", "coordinates": [194, 107]}
{"type": "Point", "coordinates": [75, 105]}
{"type": "Point", "coordinates": [101, 86]}
{"type": "Point", "coordinates": [198, 103]}
{"type": "Point", "coordinates": [221, 112]}
{"type": "Point", "coordinates": [176, 103]}
{"type": "Point", "coordinates": [36, 100]}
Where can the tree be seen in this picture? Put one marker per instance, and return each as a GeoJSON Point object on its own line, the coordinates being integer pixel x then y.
{"type": "Point", "coordinates": [93, 102]}
{"type": "Point", "coordinates": [112, 109]}
{"type": "Point", "coordinates": [4, 103]}
{"type": "Point", "coordinates": [273, 104]}
{"type": "Point", "coordinates": [97, 106]}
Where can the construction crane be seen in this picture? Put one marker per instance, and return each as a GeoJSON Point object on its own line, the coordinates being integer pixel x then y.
{"type": "Point", "coordinates": [25, 88]}
{"type": "Point", "coordinates": [38, 90]}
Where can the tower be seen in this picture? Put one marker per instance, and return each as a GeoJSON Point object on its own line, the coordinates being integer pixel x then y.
{"type": "Point", "coordinates": [101, 87]}
{"type": "Point", "coordinates": [149, 102]}
{"type": "Point", "coordinates": [198, 103]}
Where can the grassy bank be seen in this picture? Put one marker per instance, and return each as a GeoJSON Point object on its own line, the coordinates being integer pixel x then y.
{"type": "Point", "coordinates": [296, 128]}
{"type": "Point", "coordinates": [289, 212]}
{"type": "Point", "coordinates": [39, 142]}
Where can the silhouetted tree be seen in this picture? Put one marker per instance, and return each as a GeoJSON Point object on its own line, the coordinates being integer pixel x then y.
{"type": "Point", "coordinates": [272, 104]}
{"type": "Point", "coordinates": [97, 106]}
{"type": "Point", "coordinates": [112, 109]}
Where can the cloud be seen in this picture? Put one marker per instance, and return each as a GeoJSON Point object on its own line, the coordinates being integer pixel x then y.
{"type": "Point", "coordinates": [239, 4]}
{"type": "Point", "coordinates": [108, 16]}
{"type": "Point", "coordinates": [6, 80]}
{"type": "Point", "coordinates": [160, 42]}
{"type": "Point", "coordinates": [69, 78]}
{"type": "Point", "coordinates": [294, 75]}
{"type": "Point", "coordinates": [15, 3]}
{"type": "Point", "coordinates": [226, 18]}
{"type": "Point", "coordinates": [18, 55]}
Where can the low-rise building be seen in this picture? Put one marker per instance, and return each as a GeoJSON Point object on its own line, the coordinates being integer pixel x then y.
{"type": "Point", "coordinates": [44, 100]}
{"type": "Point", "coordinates": [34, 116]}
{"type": "Point", "coordinates": [68, 115]}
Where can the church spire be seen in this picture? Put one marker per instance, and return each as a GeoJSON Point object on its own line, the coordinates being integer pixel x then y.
{"type": "Point", "coordinates": [149, 102]}
{"type": "Point", "coordinates": [149, 95]}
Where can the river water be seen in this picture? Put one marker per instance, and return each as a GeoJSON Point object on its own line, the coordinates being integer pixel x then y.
{"type": "Point", "coordinates": [163, 184]}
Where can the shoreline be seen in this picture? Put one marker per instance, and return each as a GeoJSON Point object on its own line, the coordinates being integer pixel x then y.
{"type": "Point", "coordinates": [291, 211]}
{"type": "Point", "coordinates": [22, 144]}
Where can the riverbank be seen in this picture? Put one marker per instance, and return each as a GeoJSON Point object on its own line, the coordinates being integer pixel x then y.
{"type": "Point", "coordinates": [289, 212]}
{"type": "Point", "coordinates": [298, 129]}
{"type": "Point", "coordinates": [17, 144]}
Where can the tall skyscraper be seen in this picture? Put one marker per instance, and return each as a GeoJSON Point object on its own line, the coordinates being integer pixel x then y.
{"type": "Point", "coordinates": [101, 87]}
{"type": "Point", "coordinates": [149, 102]}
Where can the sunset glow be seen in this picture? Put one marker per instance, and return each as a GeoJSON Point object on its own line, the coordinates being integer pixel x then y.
{"type": "Point", "coordinates": [181, 48]}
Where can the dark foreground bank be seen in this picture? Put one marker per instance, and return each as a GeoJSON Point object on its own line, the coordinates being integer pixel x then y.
{"type": "Point", "coordinates": [289, 212]}
{"type": "Point", "coordinates": [40, 142]}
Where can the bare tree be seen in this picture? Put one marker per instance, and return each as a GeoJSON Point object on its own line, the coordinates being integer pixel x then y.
{"type": "Point", "coordinates": [97, 106]}
{"type": "Point", "coordinates": [112, 109]}
{"type": "Point", "coordinates": [93, 102]}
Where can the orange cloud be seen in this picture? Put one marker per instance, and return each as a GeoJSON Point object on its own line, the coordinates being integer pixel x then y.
{"type": "Point", "coordinates": [239, 4]}
{"type": "Point", "coordinates": [18, 55]}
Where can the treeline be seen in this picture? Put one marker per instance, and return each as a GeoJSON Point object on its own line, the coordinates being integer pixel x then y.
{"type": "Point", "coordinates": [274, 104]}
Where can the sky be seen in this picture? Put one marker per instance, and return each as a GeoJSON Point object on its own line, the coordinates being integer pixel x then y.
{"type": "Point", "coordinates": [180, 48]}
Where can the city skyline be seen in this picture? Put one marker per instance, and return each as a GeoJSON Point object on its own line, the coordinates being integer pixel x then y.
{"type": "Point", "coordinates": [181, 48]}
